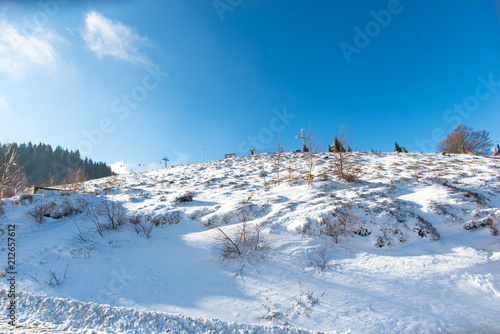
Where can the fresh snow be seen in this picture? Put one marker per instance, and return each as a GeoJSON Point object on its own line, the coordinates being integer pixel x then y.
{"type": "Point", "coordinates": [429, 275]}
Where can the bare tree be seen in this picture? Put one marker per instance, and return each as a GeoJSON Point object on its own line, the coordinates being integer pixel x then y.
{"type": "Point", "coordinates": [278, 160]}
{"type": "Point", "coordinates": [241, 241]}
{"type": "Point", "coordinates": [311, 157]}
{"type": "Point", "coordinates": [74, 179]}
{"type": "Point", "coordinates": [11, 172]}
{"type": "Point", "coordinates": [346, 167]}
{"type": "Point", "coordinates": [262, 172]}
{"type": "Point", "coordinates": [340, 222]}
{"type": "Point", "coordinates": [464, 140]}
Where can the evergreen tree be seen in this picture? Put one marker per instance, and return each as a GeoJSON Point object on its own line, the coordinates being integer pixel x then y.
{"type": "Point", "coordinates": [304, 148]}
{"type": "Point", "coordinates": [337, 146]}
{"type": "Point", "coordinates": [349, 148]}
{"type": "Point", "coordinates": [44, 166]}
{"type": "Point", "coordinates": [397, 148]}
{"type": "Point", "coordinates": [404, 150]}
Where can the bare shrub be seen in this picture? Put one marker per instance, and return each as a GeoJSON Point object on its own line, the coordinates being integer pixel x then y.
{"type": "Point", "coordinates": [147, 228]}
{"type": "Point", "coordinates": [321, 256]}
{"type": "Point", "coordinates": [416, 170]}
{"type": "Point", "coordinates": [58, 211]}
{"type": "Point", "coordinates": [301, 305]}
{"type": "Point", "coordinates": [277, 161]}
{"type": "Point", "coordinates": [170, 218]}
{"type": "Point", "coordinates": [74, 179]}
{"type": "Point", "coordinates": [81, 237]}
{"type": "Point", "coordinates": [136, 224]}
{"type": "Point", "coordinates": [93, 214]}
{"type": "Point", "coordinates": [37, 213]}
{"type": "Point", "coordinates": [311, 156]}
{"type": "Point", "coordinates": [426, 230]}
{"type": "Point", "coordinates": [240, 242]}
{"type": "Point", "coordinates": [56, 278]}
{"type": "Point", "coordinates": [11, 172]}
{"type": "Point", "coordinates": [346, 165]}
{"type": "Point", "coordinates": [113, 212]}
{"type": "Point", "coordinates": [341, 222]}
{"type": "Point", "coordinates": [262, 172]}
{"type": "Point", "coordinates": [142, 224]}
{"type": "Point", "coordinates": [293, 177]}
{"type": "Point", "coordinates": [187, 197]}
{"type": "Point", "coordinates": [464, 140]}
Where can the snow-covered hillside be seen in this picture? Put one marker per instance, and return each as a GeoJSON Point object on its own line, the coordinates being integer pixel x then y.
{"type": "Point", "coordinates": [410, 248]}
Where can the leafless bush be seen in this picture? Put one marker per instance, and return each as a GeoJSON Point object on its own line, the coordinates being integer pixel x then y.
{"type": "Point", "coordinates": [37, 213]}
{"type": "Point", "coordinates": [187, 197]}
{"type": "Point", "coordinates": [74, 179]}
{"type": "Point", "coordinates": [416, 170]}
{"type": "Point", "coordinates": [277, 161]}
{"type": "Point", "coordinates": [241, 242]}
{"type": "Point", "coordinates": [142, 224]}
{"type": "Point", "coordinates": [136, 224]}
{"type": "Point", "coordinates": [11, 171]}
{"type": "Point", "coordinates": [262, 172]}
{"type": "Point", "coordinates": [93, 214]}
{"type": "Point", "coordinates": [83, 243]}
{"type": "Point", "coordinates": [301, 305]}
{"type": "Point", "coordinates": [169, 218]}
{"type": "Point", "coordinates": [147, 228]}
{"type": "Point", "coordinates": [65, 209]}
{"type": "Point", "coordinates": [346, 165]}
{"type": "Point", "coordinates": [56, 278]}
{"type": "Point", "coordinates": [293, 177]}
{"type": "Point", "coordinates": [113, 212]}
{"type": "Point", "coordinates": [464, 140]}
{"type": "Point", "coordinates": [311, 157]}
{"type": "Point", "coordinates": [340, 222]}
{"type": "Point", "coordinates": [321, 256]}
{"type": "Point", "coordinates": [81, 237]}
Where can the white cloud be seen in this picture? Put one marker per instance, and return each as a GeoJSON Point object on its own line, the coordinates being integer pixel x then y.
{"type": "Point", "coordinates": [19, 53]}
{"type": "Point", "coordinates": [114, 39]}
{"type": "Point", "coordinates": [119, 168]}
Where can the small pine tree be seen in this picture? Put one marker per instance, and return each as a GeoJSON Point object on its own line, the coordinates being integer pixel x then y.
{"type": "Point", "coordinates": [349, 148]}
{"type": "Point", "coordinates": [330, 148]}
{"type": "Point", "coordinates": [337, 146]}
{"type": "Point", "coordinates": [404, 150]}
{"type": "Point", "coordinates": [304, 148]}
{"type": "Point", "coordinates": [397, 148]}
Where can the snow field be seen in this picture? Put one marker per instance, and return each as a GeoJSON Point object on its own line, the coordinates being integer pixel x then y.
{"type": "Point", "coordinates": [411, 268]}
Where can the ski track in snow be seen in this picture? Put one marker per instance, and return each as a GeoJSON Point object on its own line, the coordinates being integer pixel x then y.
{"type": "Point", "coordinates": [429, 274]}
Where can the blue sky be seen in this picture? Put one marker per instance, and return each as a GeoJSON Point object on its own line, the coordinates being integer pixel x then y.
{"type": "Point", "coordinates": [135, 81]}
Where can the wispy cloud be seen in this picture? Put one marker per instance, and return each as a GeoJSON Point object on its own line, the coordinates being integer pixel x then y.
{"type": "Point", "coordinates": [19, 53]}
{"type": "Point", "coordinates": [114, 39]}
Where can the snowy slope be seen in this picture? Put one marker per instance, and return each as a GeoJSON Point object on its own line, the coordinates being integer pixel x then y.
{"type": "Point", "coordinates": [408, 264]}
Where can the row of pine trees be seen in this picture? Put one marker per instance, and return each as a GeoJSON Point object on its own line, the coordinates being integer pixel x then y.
{"type": "Point", "coordinates": [43, 165]}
